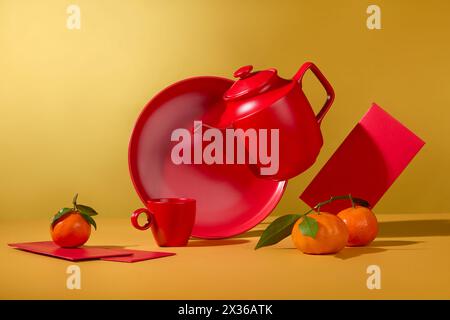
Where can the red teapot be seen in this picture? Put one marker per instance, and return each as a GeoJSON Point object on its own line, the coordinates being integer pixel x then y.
{"type": "Point", "coordinates": [263, 100]}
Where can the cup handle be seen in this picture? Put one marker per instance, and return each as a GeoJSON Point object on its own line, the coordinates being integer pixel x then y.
{"type": "Point", "coordinates": [328, 88]}
{"type": "Point", "coordinates": [135, 216]}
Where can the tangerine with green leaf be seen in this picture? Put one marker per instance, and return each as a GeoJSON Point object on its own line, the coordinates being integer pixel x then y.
{"type": "Point", "coordinates": [319, 233]}
{"type": "Point", "coordinates": [71, 227]}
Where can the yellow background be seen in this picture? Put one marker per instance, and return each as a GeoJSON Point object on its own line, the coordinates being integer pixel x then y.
{"type": "Point", "coordinates": [69, 98]}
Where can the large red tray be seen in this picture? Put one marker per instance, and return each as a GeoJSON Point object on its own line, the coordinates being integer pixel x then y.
{"type": "Point", "coordinates": [230, 199]}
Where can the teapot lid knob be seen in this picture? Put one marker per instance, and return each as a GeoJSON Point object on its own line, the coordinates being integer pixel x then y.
{"type": "Point", "coordinates": [250, 83]}
{"type": "Point", "coordinates": [243, 72]}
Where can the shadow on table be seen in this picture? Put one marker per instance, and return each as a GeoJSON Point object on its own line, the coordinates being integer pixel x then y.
{"type": "Point", "coordinates": [411, 228]}
{"type": "Point", "coordinates": [376, 246]}
{"type": "Point", "coordinates": [414, 228]}
{"type": "Point", "coordinates": [392, 243]}
{"type": "Point", "coordinates": [250, 234]}
{"type": "Point", "coordinates": [352, 252]}
{"type": "Point", "coordinates": [214, 243]}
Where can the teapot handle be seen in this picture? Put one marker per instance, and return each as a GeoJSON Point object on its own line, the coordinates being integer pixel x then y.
{"type": "Point", "coordinates": [330, 92]}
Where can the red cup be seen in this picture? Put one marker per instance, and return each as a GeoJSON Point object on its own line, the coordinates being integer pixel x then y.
{"type": "Point", "coordinates": [171, 220]}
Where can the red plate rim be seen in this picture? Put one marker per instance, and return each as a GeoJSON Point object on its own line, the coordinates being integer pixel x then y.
{"type": "Point", "coordinates": [252, 222]}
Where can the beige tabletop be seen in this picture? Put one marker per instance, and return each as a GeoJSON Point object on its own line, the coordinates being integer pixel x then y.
{"type": "Point", "coordinates": [411, 251]}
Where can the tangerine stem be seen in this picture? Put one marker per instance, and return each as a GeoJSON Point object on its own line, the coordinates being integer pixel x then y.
{"type": "Point", "coordinates": [74, 201]}
{"type": "Point", "coordinates": [351, 199]}
{"type": "Point", "coordinates": [332, 199]}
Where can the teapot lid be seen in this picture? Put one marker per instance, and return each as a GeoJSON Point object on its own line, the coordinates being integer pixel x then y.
{"type": "Point", "coordinates": [249, 82]}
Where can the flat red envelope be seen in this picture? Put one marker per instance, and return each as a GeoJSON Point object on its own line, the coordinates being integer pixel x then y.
{"type": "Point", "coordinates": [74, 254]}
{"type": "Point", "coordinates": [139, 255]}
{"type": "Point", "coordinates": [366, 164]}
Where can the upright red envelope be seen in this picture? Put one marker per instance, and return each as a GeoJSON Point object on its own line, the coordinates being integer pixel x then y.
{"type": "Point", "coordinates": [366, 164]}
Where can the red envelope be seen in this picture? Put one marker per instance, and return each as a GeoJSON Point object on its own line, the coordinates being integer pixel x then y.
{"type": "Point", "coordinates": [139, 255]}
{"type": "Point", "coordinates": [74, 254]}
{"type": "Point", "coordinates": [366, 164]}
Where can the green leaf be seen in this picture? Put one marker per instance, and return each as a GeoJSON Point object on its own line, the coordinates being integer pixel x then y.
{"type": "Point", "coordinates": [86, 210]}
{"type": "Point", "coordinates": [309, 227]}
{"type": "Point", "coordinates": [61, 212]}
{"type": "Point", "coordinates": [89, 219]}
{"type": "Point", "coordinates": [279, 229]}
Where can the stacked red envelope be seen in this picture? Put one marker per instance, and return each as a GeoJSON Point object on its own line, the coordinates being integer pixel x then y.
{"type": "Point", "coordinates": [48, 248]}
